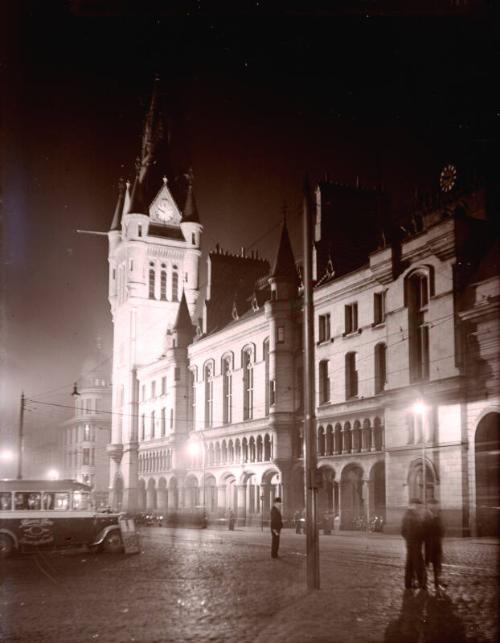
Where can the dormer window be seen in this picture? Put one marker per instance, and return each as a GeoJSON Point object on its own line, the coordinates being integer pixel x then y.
{"type": "Point", "coordinates": [139, 231]}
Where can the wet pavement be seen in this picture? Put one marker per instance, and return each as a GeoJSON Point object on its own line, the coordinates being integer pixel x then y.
{"type": "Point", "coordinates": [209, 585]}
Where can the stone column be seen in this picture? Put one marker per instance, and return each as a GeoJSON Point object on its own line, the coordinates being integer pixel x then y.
{"type": "Point", "coordinates": [221, 498]}
{"type": "Point", "coordinates": [372, 438]}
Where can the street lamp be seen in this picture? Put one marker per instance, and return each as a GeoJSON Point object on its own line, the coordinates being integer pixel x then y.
{"type": "Point", "coordinates": [53, 474]}
{"type": "Point", "coordinates": [419, 412]}
{"type": "Point", "coordinates": [196, 448]}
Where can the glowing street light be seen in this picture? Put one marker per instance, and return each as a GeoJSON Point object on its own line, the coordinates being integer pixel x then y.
{"type": "Point", "coordinates": [195, 449]}
{"type": "Point", "coordinates": [419, 413]}
{"type": "Point", "coordinates": [7, 455]}
{"type": "Point", "coordinates": [53, 474]}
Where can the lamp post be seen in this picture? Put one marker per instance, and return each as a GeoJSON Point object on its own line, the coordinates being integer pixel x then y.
{"type": "Point", "coordinates": [419, 412]}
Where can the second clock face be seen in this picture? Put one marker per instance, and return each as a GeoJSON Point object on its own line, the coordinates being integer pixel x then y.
{"type": "Point", "coordinates": [448, 178]}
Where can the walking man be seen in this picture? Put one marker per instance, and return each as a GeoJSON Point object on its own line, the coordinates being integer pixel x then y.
{"type": "Point", "coordinates": [412, 530]}
{"type": "Point", "coordinates": [276, 526]}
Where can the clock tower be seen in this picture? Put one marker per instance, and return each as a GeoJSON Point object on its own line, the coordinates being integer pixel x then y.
{"type": "Point", "coordinates": [154, 254]}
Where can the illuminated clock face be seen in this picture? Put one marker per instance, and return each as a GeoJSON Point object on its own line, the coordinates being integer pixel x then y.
{"type": "Point", "coordinates": [164, 210]}
{"type": "Point", "coordinates": [448, 178]}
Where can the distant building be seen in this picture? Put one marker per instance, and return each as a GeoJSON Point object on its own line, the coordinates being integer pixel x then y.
{"type": "Point", "coordinates": [406, 359]}
{"type": "Point", "coordinates": [87, 433]}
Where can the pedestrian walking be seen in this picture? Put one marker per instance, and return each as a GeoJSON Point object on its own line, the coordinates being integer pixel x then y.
{"type": "Point", "coordinates": [276, 526]}
{"type": "Point", "coordinates": [412, 530]}
{"type": "Point", "coordinates": [433, 541]}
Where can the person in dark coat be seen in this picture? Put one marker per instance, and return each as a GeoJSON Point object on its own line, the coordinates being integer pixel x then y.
{"type": "Point", "coordinates": [276, 526]}
{"type": "Point", "coordinates": [412, 530]}
{"type": "Point", "coordinates": [433, 541]}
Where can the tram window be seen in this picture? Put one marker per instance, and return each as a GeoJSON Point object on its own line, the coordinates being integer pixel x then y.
{"type": "Point", "coordinates": [28, 500]}
{"type": "Point", "coordinates": [5, 501]}
{"type": "Point", "coordinates": [48, 501]}
{"type": "Point", "coordinates": [61, 501]}
{"type": "Point", "coordinates": [81, 501]}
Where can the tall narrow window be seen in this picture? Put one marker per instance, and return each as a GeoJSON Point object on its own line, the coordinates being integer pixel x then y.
{"type": "Point", "coordinates": [151, 281]}
{"type": "Point", "coordinates": [380, 367]}
{"type": "Point", "coordinates": [227, 391]}
{"type": "Point", "coordinates": [163, 284]}
{"type": "Point", "coordinates": [209, 393]}
{"type": "Point", "coordinates": [171, 419]}
{"type": "Point", "coordinates": [143, 427]}
{"type": "Point", "coordinates": [324, 382]}
{"type": "Point", "coordinates": [281, 335]}
{"type": "Point", "coordinates": [324, 327]}
{"type": "Point", "coordinates": [351, 318]}
{"type": "Point", "coordinates": [175, 286]}
{"type": "Point", "coordinates": [192, 375]}
{"type": "Point", "coordinates": [379, 308]}
{"type": "Point", "coordinates": [351, 375]}
{"type": "Point", "coordinates": [164, 385]}
{"type": "Point", "coordinates": [153, 422]}
{"type": "Point", "coordinates": [86, 457]}
{"type": "Point", "coordinates": [163, 422]}
{"type": "Point", "coordinates": [153, 388]}
{"type": "Point", "coordinates": [418, 330]}
{"type": "Point", "coordinates": [267, 390]}
{"type": "Point", "coordinates": [247, 385]}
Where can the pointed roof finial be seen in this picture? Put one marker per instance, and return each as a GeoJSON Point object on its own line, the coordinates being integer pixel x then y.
{"type": "Point", "coordinates": [117, 216]}
{"type": "Point", "coordinates": [190, 212]}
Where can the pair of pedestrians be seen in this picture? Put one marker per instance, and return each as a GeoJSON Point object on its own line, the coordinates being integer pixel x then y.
{"type": "Point", "coordinates": [423, 532]}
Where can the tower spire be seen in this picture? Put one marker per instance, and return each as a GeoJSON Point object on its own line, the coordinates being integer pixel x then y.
{"type": "Point", "coordinates": [117, 216]}
{"type": "Point", "coordinates": [190, 212]}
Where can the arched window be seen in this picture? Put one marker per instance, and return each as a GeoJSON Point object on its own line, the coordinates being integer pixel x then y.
{"type": "Point", "coordinates": [380, 368]}
{"type": "Point", "coordinates": [175, 285]}
{"type": "Point", "coordinates": [230, 452]}
{"type": "Point", "coordinates": [259, 449]}
{"type": "Point", "coordinates": [163, 284]}
{"type": "Point", "coordinates": [267, 448]}
{"type": "Point", "coordinates": [329, 440]}
{"type": "Point", "coordinates": [321, 441]}
{"type": "Point", "coordinates": [237, 451]}
{"type": "Point", "coordinates": [351, 376]}
{"type": "Point", "coordinates": [209, 394]}
{"type": "Point", "coordinates": [338, 438]}
{"type": "Point", "coordinates": [151, 281]}
{"type": "Point", "coordinates": [251, 449]}
{"type": "Point", "coordinates": [420, 479]}
{"type": "Point", "coordinates": [227, 390]}
{"type": "Point", "coordinates": [223, 452]}
{"type": "Point", "coordinates": [247, 384]}
{"type": "Point", "coordinates": [244, 449]}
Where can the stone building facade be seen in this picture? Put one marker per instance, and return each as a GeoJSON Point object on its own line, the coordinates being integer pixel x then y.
{"type": "Point", "coordinates": [406, 353]}
{"type": "Point", "coordinates": [84, 437]}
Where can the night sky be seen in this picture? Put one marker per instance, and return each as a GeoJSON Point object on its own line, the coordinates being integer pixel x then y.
{"type": "Point", "coordinates": [257, 98]}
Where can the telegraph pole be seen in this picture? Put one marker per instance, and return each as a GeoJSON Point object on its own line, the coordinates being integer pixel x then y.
{"type": "Point", "coordinates": [310, 465]}
{"type": "Point", "coordinates": [21, 440]}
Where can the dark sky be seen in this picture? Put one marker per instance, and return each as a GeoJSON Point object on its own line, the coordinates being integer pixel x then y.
{"type": "Point", "coordinates": [257, 97]}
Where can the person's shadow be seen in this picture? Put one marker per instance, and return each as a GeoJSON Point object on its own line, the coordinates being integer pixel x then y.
{"type": "Point", "coordinates": [426, 618]}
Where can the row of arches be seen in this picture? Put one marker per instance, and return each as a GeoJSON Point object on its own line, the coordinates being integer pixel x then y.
{"type": "Point", "coordinates": [350, 438]}
{"type": "Point", "coordinates": [155, 461]}
{"type": "Point", "coordinates": [253, 449]}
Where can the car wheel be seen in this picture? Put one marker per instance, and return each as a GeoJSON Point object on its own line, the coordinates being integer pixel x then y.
{"type": "Point", "coordinates": [113, 543]}
{"type": "Point", "coordinates": [6, 546]}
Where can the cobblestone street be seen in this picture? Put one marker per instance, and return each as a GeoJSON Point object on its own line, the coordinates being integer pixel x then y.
{"type": "Point", "coordinates": [208, 585]}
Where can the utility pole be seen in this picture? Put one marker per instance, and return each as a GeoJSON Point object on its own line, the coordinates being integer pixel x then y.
{"type": "Point", "coordinates": [21, 440]}
{"type": "Point", "coordinates": [310, 465]}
